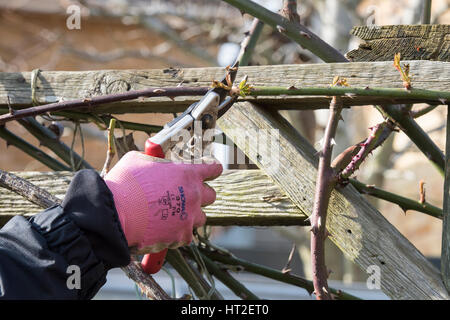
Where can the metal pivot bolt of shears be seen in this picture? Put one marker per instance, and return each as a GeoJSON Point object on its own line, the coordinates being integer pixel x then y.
{"type": "Point", "coordinates": [212, 106]}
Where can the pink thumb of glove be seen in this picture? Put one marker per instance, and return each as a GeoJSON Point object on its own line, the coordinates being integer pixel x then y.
{"type": "Point", "coordinates": [159, 203]}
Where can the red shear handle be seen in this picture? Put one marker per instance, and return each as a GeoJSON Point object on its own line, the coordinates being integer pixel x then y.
{"type": "Point", "coordinates": [153, 149]}
{"type": "Point", "coordinates": [152, 263]}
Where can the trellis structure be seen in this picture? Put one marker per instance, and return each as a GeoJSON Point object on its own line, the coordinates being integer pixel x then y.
{"type": "Point", "coordinates": [269, 196]}
{"type": "Point", "coordinates": [276, 194]}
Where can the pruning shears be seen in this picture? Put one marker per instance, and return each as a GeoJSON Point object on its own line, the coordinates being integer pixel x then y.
{"type": "Point", "coordinates": [212, 106]}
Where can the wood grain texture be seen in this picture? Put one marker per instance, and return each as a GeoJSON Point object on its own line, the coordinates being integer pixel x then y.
{"type": "Point", "coordinates": [414, 42]}
{"type": "Point", "coordinates": [244, 197]}
{"type": "Point", "coordinates": [356, 227]}
{"type": "Point", "coordinates": [53, 86]}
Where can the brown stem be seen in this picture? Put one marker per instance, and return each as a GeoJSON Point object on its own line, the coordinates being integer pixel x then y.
{"type": "Point", "coordinates": [26, 189]}
{"type": "Point", "coordinates": [287, 268]}
{"type": "Point", "coordinates": [111, 148]}
{"type": "Point", "coordinates": [379, 134]}
{"type": "Point", "coordinates": [326, 180]}
{"type": "Point", "coordinates": [95, 101]}
{"type": "Point", "coordinates": [249, 42]}
{"type": "Point", "coordinates": [289, 11]}
{"type": "Point", "coordinates": [146, 283]}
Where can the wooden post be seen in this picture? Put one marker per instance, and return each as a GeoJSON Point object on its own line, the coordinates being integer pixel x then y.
{"type": "Point", "coordinates": [355, 226]}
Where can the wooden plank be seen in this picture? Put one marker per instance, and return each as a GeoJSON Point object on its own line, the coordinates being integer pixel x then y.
{"type": "Point", "coordinates": [356, 227]}
{"type": "Point", "coordinates": [414, 42]}
{"type": "Point", "coordinates": [244, 197]}
{"type": "Point", "coordinates": [445, 257]}
{"type": "Point", "coordinates": [53, 86]}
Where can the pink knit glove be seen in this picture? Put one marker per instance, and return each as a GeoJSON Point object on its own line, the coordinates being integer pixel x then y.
{"type": "Point", "coordinates": [159, 203]}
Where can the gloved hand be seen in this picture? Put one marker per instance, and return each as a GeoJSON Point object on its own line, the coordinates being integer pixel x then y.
{"type": "Point", "coordinates": [159, 203]}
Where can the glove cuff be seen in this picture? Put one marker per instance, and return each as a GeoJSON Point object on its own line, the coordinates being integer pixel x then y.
{"type": "Point", "coordinates": [131, 204]}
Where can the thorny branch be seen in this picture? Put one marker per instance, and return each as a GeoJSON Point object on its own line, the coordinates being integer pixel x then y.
{"type": "Point", "coordinates": [404, 203]}
{"type": "Point", "coordinates": [249, 42]}
{"type": "Point", "coordinates": [236, 264]}
{"type": "Point", "coordinates": [295, 31]}
{"type": "Point", "coordinates": [148, 286]}
{"type": "Point", "coordinates": [14, 140]}
{"type": "Point", "coordinates": [313, 43]}
{"type": "Point", "coordinates": [95, 101]}
{"type": "Point", "coordinates": [111, 148]}
{"type": "Point", "coordinates": [326, 180]}
{"type": "Point", "coordinates": [26, 189]}
{"type": "Point", "coordinates": [437, 97]}
{"type": "Point", "coordinates": [379, 133]}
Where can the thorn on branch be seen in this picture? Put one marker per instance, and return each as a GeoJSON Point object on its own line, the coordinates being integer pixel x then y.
{"type": "Point", "coordinates": [281, 29]}
{"type": "Point", "coordinates": [403, 209]}
{"type": "Point", "coordinates": [306, 35]}
{"type": "Point", "coordinates": [11, 110]}
{"type": "Point", "coordinates": [379, 133]}
{"type": "Point", "coordinates": [287, 268]}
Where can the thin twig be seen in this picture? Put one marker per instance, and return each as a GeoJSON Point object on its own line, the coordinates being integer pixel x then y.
{"type": "Point", "coordinates": [192, 278]}
{"type": "Point", "coordinates": [111, 152]}
{"type": "Point", "coordinates": [249, 42]}
{"type": "Point", "coordinates": [435, 96]}
{"type": "Point", "coordinates": [49, 139]}
{"type": "Point", "coordinates": [422, 111]}
{"type": "Point", "coordinates": [149, 287]}
{"type": "Point", "coordinates": [237, 287]}
{"type": "Point", "coordinates": [287, 268]}
{"type": "Point", "coordinates": [26, 189]}
{"type": "Point", "coordinates": [242, 265]}
{"type": "Point", "coordinates": [102, 121]}
{"type": "Point", "coordinates": [99, 100]}
{"type": "Point", "coordinates": [295, 31]}
{"type": "Point", "coordinates": [36, 153]}
{"type": "Point", "coordinates": [404, 203]}
{"type": "Point", "coordinates": [326, 180]}
{"type": "Point", "coordinates": [420, 138]}
{"type": "Point", "coordinates": [431, 96]}
{"type": "Point", "coordinates": [379, 133]}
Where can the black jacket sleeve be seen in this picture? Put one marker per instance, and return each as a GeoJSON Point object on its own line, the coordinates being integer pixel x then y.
{"type": "Point", "coordinates": [40, 256]}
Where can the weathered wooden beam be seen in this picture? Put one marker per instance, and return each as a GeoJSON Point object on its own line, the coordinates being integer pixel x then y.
{"type": "Point", "coordinates": [414, 42]}
{"type": "Point", "coordinates": [52, 86]}
{"type": "Point", "coordinates": [355, 226]}
{"type": "Point", "coordinates": [445, 256]}
{"type": "Point", "coordinates": [244, 197]}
